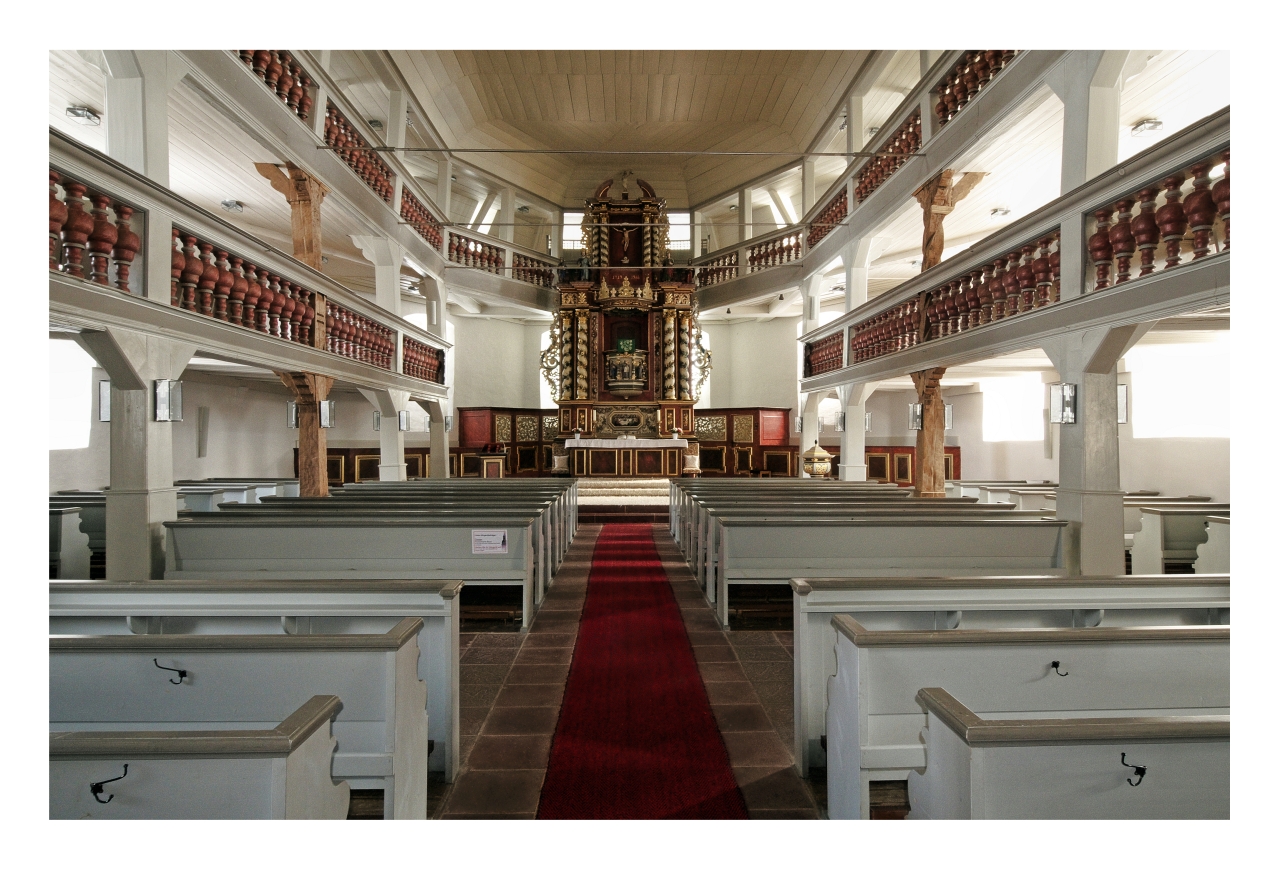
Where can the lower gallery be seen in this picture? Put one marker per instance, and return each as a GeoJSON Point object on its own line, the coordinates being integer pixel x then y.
{"type": "Point", "coordinates": [803, 435]}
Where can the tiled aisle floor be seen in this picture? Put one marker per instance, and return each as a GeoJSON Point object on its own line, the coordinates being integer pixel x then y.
{"type": "Point", "coordinates": [512, 685]}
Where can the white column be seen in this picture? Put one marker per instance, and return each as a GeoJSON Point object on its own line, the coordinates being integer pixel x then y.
{"type": "Point", "coordinates": [857, 257]}
{"type": "Point", "coordinates": [389, 402]}
{"type": "Point", "coordinates": [809, 295]}
{"type": "Point", "coordinates": [507, 215]}
{"type": "Point", "coordinates": [439, 469]}
{"type": "Point", "coordinates": [395, 137]}
{"type": "Point", "coordinates": [141, 497]}
{"type": "Point", "coordinates": [137, 109]}
{"type": "Point", "coordinates": [808, 183]}
{"type": "Point", "coordinates": [387, 257]}
{"type": "Point", "coordinates": [1089, 85]}
{"type": "Point", "coordinates": [1089, 494]}
{"type": "Point", "coordinates": [853, 440]}
{"type": "Point", "coordinates": [444, 184]}
{"type": "Point", "coordinates": [436, 294]}
{"type": "Point", "coordinates": [744, 214]}
{"type": "Point", "coordinates": [855, 131]}
{"type": "Point", "coordinates": [695, 235]}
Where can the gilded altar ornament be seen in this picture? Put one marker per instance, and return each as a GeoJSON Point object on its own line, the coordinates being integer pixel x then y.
{"type": "Point", "coordinates": [701, 358]}
{"type": "Point", "coordinates": [817, 462]}
{"type": "Point", "coordinates": [549, 361]}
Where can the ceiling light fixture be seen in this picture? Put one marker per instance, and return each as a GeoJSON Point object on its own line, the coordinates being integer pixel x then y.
{"type": "Point", "coordinates": [375, 123]}
{"type": "Point", "coordinates": [779, 297]}
{"type": "Point", "coordinates": [733, 208]}
{"type": "Point", "coordinates": [1147, 126]}
{"type": "Point", "coordinates": [84, 115]}
{"type": "Point", "coordinates": [844, 122]}
{"type": "Point", "coordinates": [523, 209]}
{"type": "Point", "coordinates": [232, 205]}
{"type": "Point", "coordinates": [728, 311]}
{"type": "Point", "coordinates": [999, 212]}
{"type": "Point", "coordinates": [324, 260]}
{"type": "Point", "coordinates": [871, 131]}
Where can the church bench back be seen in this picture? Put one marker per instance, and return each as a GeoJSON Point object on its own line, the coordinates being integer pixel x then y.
{"type": "Point", "coordinates": [986, 602]}
{"type": "Point", "coordinates": [68, 545]}
{"type": "Point", "coordinates": [298, 606]}
{"type": "Point", "coordinates": [280, 773]}
{"type": "Point", "coordinates": [103, 682]}
{"type": "Point", "coordinates": [1215, 553]}
{"type": "Point", "coordinates": [874, 720]}
{"type": "Point", "coordinates": [1171, 534]}
{"type": "Point", "coordinates": [1069, 768]}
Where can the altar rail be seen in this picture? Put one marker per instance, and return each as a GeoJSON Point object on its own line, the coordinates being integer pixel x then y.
{"type": "Point", "coordinates": [1020, 269]}
{"type": "Point", "coordinates": [212, 269]}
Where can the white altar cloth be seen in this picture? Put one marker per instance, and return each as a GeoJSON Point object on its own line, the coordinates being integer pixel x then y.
{"type": "Point", "coordinates": [624, 443]}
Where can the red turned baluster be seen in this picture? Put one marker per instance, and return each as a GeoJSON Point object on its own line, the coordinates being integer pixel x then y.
{"type": "Point", "coordinates": [1043, 271]}
{"type": "Point", "coordinates": [126, 247]}
{"type": "Point", "coordinates": [1172, 220]}
{"type": "Point", "coordinates": [239, 286]}
{"type": "Point", "coordinates": [982, 68]}
{"type": "Point", "coordinates": [1100, 248]}
{"type": "Point", "coordinates": [1012, 298]}
{"type": "Point", "coordinates": [249, 315]}
{"type": "Point", "coordinates": [57, 217]}
{"type": "Point", "coordinates": [177, 262]}
{"type": "Point", "coordinates": [208, 279]}
{"type": "Point", "coordinates": [285, 83]}
{"type": "Point", "coordinates": [191, 273]}
{"type": "Point", "coordinates": [979, 279]}
{"type": "Point", "coordinates": [266, 299]}
{"type": "Point", "coordinates": [1200, 210]}
{"type": "Point", "coordinates": [274, 68]}
{"type": "Point", "coordinates": [1123, 243]}
{"type": "Point", "coordinates": [1027, 279]}
{"type": "Point", "coordinates": [308, 320]}
{"type": "Point", "coordinates": [76, 229]}
{"type": "Point", "coordinates": [305, 100]}
{"type": "Point", "coordinates": [277, 305]}
{"type": "Point", "coordinates": [966, 300]}
{"type": "Point", "coordinates": [1222, 199]}
{"type": "Point", "coordinates": [995, 284]}
{"type": "Point", "coordinates": [260, 61]}
{"type": "Point", "coordinates": [296, 314]}
{"type": "Point", "coordinates": [1055, 266]}
{"type": "Point", "coordinates": [1145, 230]}
{"type": "Point", "coordinates": [973, 297]}
{"type": "Point", "coordinates": [222, 289]}
{"type": "Point", "coordinates": [101, 241]}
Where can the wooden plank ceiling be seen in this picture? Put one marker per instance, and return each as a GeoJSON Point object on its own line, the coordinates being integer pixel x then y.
{"type": "Point", "coordinates": [628, 100]}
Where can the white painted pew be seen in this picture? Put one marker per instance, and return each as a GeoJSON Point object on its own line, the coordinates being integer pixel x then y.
{"type": "Point", "coordinates": [100, 683]}
{"type": "Point", "coordinates": [684, 493]}
{"type": "Point", "coordinates": [205, 499]}
{"type": "Point", "coordinates": [263, 486]}
{"type": "Point", "coordinates": [756, 551]}
{"type": "Point", "coordinates": [295, 606]}
{"type": "Point", "coordinates": [1215, 553]}
{"type": "Point", "coordinates": [980, 602]}
{"type": "Point", "coordinates": [328, 547]}
{"type": "Point", "coordinates": [93, 516]}
{"type": "Point", "coordinates": [973, 488]}
{"type": "Point", "coordinates": [1171, 534]}
{"type": "Point", "coordinates": [1105, 767]}
{"type": "Point", "coordinates": [278, 773]}
{"type": "Point", "coordinates": [68, 545]}
{"type": "Point", "coordinates": [874, 720]}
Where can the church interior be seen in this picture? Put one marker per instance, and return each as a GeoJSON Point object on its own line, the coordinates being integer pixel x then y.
{"type": "Point", "coordinates": [650, 434]}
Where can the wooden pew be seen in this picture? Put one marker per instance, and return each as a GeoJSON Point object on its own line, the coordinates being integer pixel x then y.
{"type": "Point", "coordinates": [355, 547]}
{"type": "Point", "coordinates": [93, 519]}
{"type": "Point", "coordinates": [264, 486]}
{"type": "Point", "coordinates": [769, 551]}
{"type": "Point", "coordinates": [68, 546]}
{"type": "Point", "coordinates": [874, 720]}
{"type": "Point", "coordinates": [280, 773]}
{"type": "Point", "coordinates": [1215, 552]}
{"type": "Point", "coordinates": [1104, 767]}
{"type": "Point", "coordinates": [110, 682]}
{"type": "Point", "coordinates": [977, 602]}
{"type": "Point", "coordinates": [1171, 535]}
{"type": "Point", "coordinates": [295, 606]}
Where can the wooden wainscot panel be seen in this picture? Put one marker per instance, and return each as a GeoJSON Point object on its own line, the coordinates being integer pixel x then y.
{"type": "Point", "coordinates": [711, 428]}
{"type": "Point", "coordinates": [337, 467]}
{"type": "Point", "coordinates": [492, 467]}
{"type": "Point", "coordinates": [414, 465]}
{"type": "Point", "coordinates": [502, 428]}
{"type": "Point", "coordinates": [743, 428]}
{"type": "Point", "coordinates": [777, 463]}
{"type": "Point", "coordinates": [712, 459]}
{"type": "Point", "coordinates": [773, 428]}
{"type": "Point", "coordinates": [741, 459]}
{"type": "Point", "coordinates": [367, 467]}
{"type": "Point", "coordinates": [475, 427]}
{"type": "Point", "coordinates": [579, 463]}
{"type": "Point", "coordinates": [673, 463]}
{"type": "Point", "coordinates": [527, 429]}
{"type": "Point", "coordinates": [878, 467]}
{"type": "Point", "coordinates": [470, 465]}
{"type": "Point", "coordinates": [550, 428]}
{"type": "Point", "coordinates": [526, 459]}
{"type": "Point", "coordinates": [902, 467]}
{"type": "Point", "coordinates": [624, 460]}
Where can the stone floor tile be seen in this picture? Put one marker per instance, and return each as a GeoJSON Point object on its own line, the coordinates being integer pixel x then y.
{"type": "Point", "coordinates": [521, 720]}
{"type": "Point", "coordinates": [773, 788]}
{"type": "Point", "coordinates": [716, 654]}
{"type": "Point", "coordinates": [762, 653]}
{"type": "Point", "coordinates": [769, 671]}
{"type": "Point", "coordinates": [773, 693]}
{"type": "Point", "coordinates": [538, 674]}
{"type": "Point", "coordinates": [489, 655]}
{"type": "Point", "coordinates": [495, 639]}
{"type": "Point", "coordinates": [495, 792]}
{"type": "Point", "coordinates": [741, 717]}
{"type": "Point", "coordinates": [478, 694]}
{"type": "Point", "coordinates": [755, 748]}
{"type": "Point", "coordinates": [472, 674]}
{"type": "Point", "coordinates": [514, 816]}
{"type": "Point", "coordinates": [730, 692]}
{"type": "Point", "coordinates": [512, 752]}
{"type": "Point", "coordinates": [530, 695]}
{"type": "Point", "coordinates": [470, 719]}
{"type": "Point", "coordinates": [707, 638]}
{"type": "Point", "coordinates": [717, 671]}
{"type": "Point", "coordinates": [783, 814]}
{"type": "Point", "coordinates": [752, 638]}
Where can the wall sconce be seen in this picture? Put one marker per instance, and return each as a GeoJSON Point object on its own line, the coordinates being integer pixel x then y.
{"type": "Point", "coordinates": [866, 423]}
{"type": "Point", "coordinates": [950, 418]}
{"type": "Point", "coordinates": [799, 425]}
{"type": "Point", "coordinates": [377, 420]}
{"type": "Point", "coordinates": [327, 409]}
{"type": "Point", "coordinates": [841, 417]}
{"type": "Point", "coordinates": [1062, 403]}
{"type": "Point", "coordinates": [448, 423]}
{"type": "Point", "coordinates": [168, 400]}
{"type": "Point", "coordinates": [915, 417]}
{"type": "Point", "coordinates": [104, 401]}
{"type": "Point", "coordinates": [403, 417]}
{"type": "Point", "coordinates": [1122, 403]}
{"type": "Point", "coordinates": [291, 414]}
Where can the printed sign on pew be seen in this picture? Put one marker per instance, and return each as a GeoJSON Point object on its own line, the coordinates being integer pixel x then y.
{"type": "Point", "coordinates": [488, 542]}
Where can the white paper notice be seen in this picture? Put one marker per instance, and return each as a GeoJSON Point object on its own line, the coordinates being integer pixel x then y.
{"type": "Point", "coordinates": [488, 542]}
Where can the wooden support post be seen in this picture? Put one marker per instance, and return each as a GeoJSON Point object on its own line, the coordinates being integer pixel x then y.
{"type": "Point", "coordinates": [304, 194]}
{"type": "Point", "coordinates": [313, 461]}
{"type": "Point", "coordinates": [938, 198]}
{"type": "Point", "coordinates": [931, 438]}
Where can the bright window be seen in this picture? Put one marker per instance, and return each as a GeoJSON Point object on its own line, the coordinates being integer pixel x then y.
{"type": "Point", "coordinates": [71, 389]}
{"type": "Point", "coordinates": [1178, 389]}
{"type": "Point", "coordinates": [678, 235]}
{"type": "Point", "coordinates": [572, 233]}
{"type": "Point", "coordinates": [1013, 408]}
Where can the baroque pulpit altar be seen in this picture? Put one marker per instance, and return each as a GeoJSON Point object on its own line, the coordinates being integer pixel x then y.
{"type": "Point", "coordinates": [625, 344]}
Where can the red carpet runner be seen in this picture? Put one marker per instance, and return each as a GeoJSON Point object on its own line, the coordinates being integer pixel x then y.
{"type": "Point", "coordinates": [636, 738]}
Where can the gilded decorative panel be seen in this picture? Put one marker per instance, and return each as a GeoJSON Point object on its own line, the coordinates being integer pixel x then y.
{"type": "Point", "coordinates": [526, 429]}
{"type": "Point", "coordinates": [743, 428]}
{"type": "Point", "coordinates": [502, 429]}
{"type": "Point", "coordinates": [550, 427]}
{"type": "Point", "coordinates": [710, 428]}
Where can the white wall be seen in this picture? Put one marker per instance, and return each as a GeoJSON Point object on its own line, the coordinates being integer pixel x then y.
{"type": "Point", "coordinates": [754, 364]}
{"type": "Point", "coordinates": [495, 363]}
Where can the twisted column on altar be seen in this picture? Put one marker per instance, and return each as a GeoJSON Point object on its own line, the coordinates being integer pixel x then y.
{"type": "Point", "coordinates": [686, 387]}
{"type": "Point", "coordinates": [566, 356]}
{"type": "Point", "coordinates": [669, 355]}
{"type": "Point", "coordinates": [581, 358]}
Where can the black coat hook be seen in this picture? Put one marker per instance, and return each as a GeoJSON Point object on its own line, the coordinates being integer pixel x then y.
{"type": "Point", "coordinates": [1055, 665]}
{"type": "Point", "coordinates": [95, 787]}
{"type": "Point", "coordinates": [182, 674]}
{"type": "Point", "coordinates": [1139, 770]}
